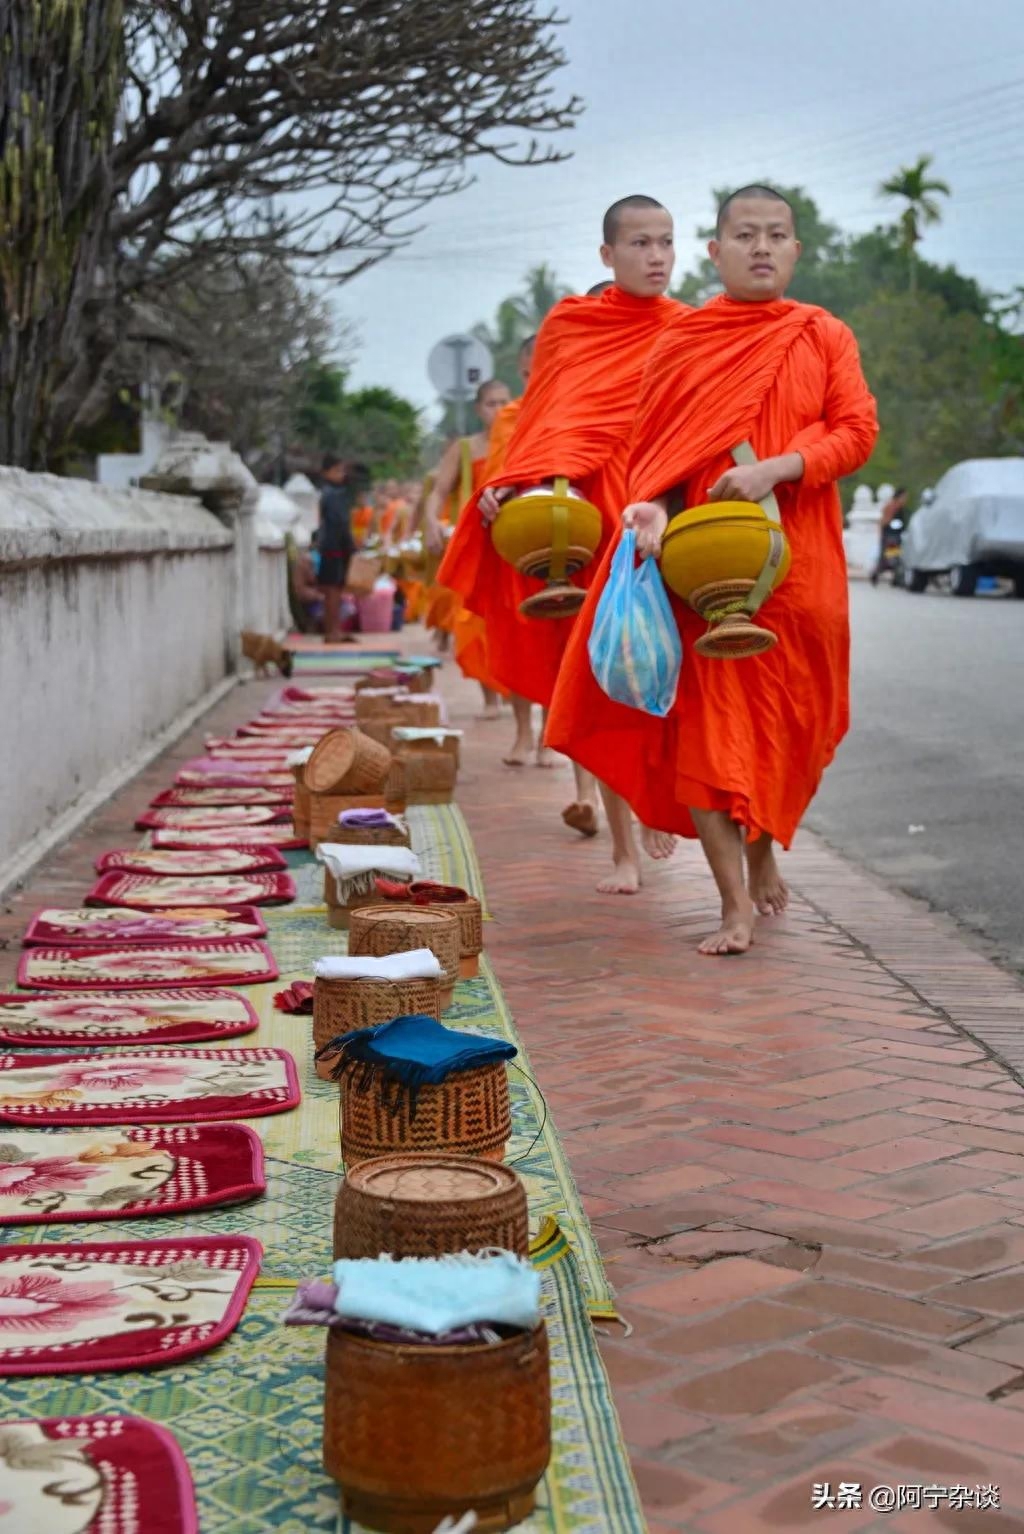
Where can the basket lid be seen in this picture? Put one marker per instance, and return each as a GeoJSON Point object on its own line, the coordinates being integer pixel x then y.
{"type": "Point", "coordinates": [332, 758]}
{"type": "Point", "coordinates": [408, 915]}
{"type": "Point", "coordinates": [431, 1179]}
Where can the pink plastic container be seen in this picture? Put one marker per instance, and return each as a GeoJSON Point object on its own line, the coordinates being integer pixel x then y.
{"type": "Point", "coordinates": [375, 610]}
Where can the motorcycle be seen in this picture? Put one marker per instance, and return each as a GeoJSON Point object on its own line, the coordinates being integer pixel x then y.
{"type": "Point", "coordinates": [890, 559]}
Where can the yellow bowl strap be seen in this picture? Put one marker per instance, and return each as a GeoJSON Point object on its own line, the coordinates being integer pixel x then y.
{"type": "Point", "coordinates": [766, 580]}
{"type": "Point", "coordinates": [559, 530]}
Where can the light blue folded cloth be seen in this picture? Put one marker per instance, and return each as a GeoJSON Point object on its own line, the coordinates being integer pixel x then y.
{"type": "Point", "coordinates": [439, 1294]}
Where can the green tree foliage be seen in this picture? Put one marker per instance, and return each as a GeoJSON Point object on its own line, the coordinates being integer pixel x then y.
{"type": "Point", "coordinates": [517, 317]}
{"type": "Point", "coordinates": [945, 361]}
{"type": "Point", "coordinates": [920, 191]}
{"type": "Point", "coordinates": [373, 425]}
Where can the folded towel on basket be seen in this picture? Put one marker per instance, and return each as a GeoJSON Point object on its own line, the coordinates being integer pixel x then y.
{"type": "Point", "coordinates": [418, 964]}
{"type": "Point", "coordinates": [354, 868]}
{"type": "Point", "coordinates": [438, 1294]}
{"type": "Point", "coordinates": [367, 819]}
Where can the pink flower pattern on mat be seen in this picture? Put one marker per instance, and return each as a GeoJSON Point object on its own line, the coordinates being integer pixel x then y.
{"type": "Point", "coordinates": [52, 1174]}
{"type": "Point", "coordinates": [122, 1078]}
{"type": "Point", "coordinates": [33, 1301]}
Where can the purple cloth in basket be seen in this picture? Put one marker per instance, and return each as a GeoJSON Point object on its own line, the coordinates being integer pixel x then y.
{"type": "Point", "coordinates": [366, 818]}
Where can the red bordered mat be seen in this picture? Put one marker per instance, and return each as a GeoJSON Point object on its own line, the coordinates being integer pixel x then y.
{"type": "Point", "coordinates": [167, 1086]}
{"type": "Point", "coordinates": [125, 1174]}
{"type": "Point", "coordinates": [205, 773]}
{"type": "Point", "coordinates": [282, 837]}
{"type": "Point", "coordinates": [88, 1307]}
{"type": "Point", "coordinates": [38, 1020]}
{"type": "Point", "coordinates": [182, 862]}
{"type": "Point", "coordinates": [140, 892]}
{"type": "Point", "coordinates": [88, 925]}
{"type": "Point", "coordinates": [203, 798]}
{"type": "Point", "coordinates": [186, 819]}
{"type": "Point", "coordinates": [108, 966]}
{"type": "Point", "coordinates": [94, 1475]}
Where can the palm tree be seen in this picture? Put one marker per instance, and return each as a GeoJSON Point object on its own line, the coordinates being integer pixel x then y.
{"type": "Point", "coordinates": [541, 292]}
{"type": "Point", "coordinates": [920, 192]}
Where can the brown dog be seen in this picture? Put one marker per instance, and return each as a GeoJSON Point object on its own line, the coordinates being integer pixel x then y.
{"type": "Point", "coordinates": [264, 651]}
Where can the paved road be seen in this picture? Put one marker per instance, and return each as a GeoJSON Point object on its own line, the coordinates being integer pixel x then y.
{"type": "Point", "coordinates": [937, 741]}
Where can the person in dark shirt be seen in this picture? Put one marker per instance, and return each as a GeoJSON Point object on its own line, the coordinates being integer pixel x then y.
{"type": "Point", "coordinates": [334, 538]}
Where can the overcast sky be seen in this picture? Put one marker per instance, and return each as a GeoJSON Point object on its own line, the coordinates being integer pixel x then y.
{"type": "Point", "coordinates": [681, 96]}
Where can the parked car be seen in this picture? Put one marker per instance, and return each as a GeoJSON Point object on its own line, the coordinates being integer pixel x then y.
{"type": "Point", "coordinates": [971, 525]}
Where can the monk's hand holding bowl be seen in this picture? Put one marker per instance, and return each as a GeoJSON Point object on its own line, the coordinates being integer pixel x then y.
{"type": "Point", "coordinates": [491, 501]}
{"type": "Point", "coordinates": [649, 521]}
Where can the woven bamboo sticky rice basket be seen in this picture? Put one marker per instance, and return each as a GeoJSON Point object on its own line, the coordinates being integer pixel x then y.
{"type": "Point", "coordinates": [372, 702]}
{"type": "Point", "coordinates": [429, 777]}
{"type": "Point", "coordinates": [395, 788]}
{"type": "Point", "coordinates": [471, 932]}
{"type": "Point", "coordinates": [300, 804]}
{"type": "Point", "coordinates": [345, 761]}
{"type": "Point", "coordinates": [447, 742]}
{"type": "Point", "coordinates": [380, 726]}
{"type": "Point", "coordinates": [372, 836]}
{"type": "Point", "coordinates": [427, 1206]}
{"type": "Point", "coordinates": [418, 711]}
{"type": "Point", "coordinates": [417, 1433]}
{"type": "Point", "coordinates": [378, 930]}
{"type": "Point", "coordinates": [343, 1006]}
{"type": "Point", "coordinates": [324, 810]}
{"type": "Point", "coordinates": [466, 1115]}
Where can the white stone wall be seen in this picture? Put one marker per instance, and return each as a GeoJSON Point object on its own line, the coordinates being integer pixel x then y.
{"type": "Point", "coordinates": [118, 615]}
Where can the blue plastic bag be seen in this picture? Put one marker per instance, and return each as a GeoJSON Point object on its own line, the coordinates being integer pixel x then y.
{"type": "Point", "coordinates": [635, 649]}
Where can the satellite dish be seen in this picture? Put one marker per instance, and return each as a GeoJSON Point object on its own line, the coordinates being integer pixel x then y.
{"type": "Point", "coordinates": [457, 366]}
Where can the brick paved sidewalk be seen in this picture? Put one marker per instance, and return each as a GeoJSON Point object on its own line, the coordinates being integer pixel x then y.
{"type": "Point", "coordinates": [805, 1167]}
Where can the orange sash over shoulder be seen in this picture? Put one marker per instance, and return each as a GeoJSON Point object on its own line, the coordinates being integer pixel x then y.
{"type": "Point", "coordinates": [575, 419]}
{"type": "Point", "coordinates": [749, 737]}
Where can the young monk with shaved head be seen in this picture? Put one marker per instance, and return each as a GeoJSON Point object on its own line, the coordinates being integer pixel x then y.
{"type": "Point", "coordinates": [576, 420]}
{"type": "Point", "coordinates": [738, 759]}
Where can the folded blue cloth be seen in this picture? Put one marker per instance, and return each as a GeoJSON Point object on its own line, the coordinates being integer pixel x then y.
{"type": "Point", "coordinates": [416, 1051]}
{"type": "Point", "coordinates": [439, 1294]}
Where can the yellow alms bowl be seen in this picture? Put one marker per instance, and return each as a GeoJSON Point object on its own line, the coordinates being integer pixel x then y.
{"type": "Point", "coordinates": [550, 531]}
{"type": "Point", "coordinates": [727, 541]}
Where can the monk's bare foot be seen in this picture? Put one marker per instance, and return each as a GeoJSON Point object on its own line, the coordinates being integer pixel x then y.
{"type": "Point", "coordinates": [490, 711]}
{"type": "Point", "coordinates": [657, 844]}
{"type": "Point", "coordinates": [521, 752]}
{"type": "Point", "coordinates": [736, 933]}
{"type": "Point", "coordinates": [581, 817]}
{"type": "Point", "coordinates": [624, 879]}
{"type": "Point", "coordinates": [545, 757]}
{"type": "Point", "coordinates": [768, 889]}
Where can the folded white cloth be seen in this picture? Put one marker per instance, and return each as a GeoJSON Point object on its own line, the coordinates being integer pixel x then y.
{"type": "Point", "coordinates": [417, 964]}
{"type": "Point", "coordinates": [298, 758]}
{"type": "Point", "coordinates": [425, 732]}
{"type": "Point", "coordinates": [438, 1294]}
{"type": "Point", "coordinates": [420, 697]}
{"type": "Point", "coordinates": [347, 863]}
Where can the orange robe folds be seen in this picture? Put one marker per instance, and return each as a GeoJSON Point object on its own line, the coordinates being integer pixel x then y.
{"type": "Point", "coordinates": [443, 603]}
{"type": "Point", "coordinates": [749, 737]}
{"type": "Point", "coordinates": [576, 418]}
{"type": "Point", "coordinates": [469, 634]}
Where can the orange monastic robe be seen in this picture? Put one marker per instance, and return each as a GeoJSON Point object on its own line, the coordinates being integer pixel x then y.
{"type": "Point", "coordinates": [470, 631]}
{"type": "Point", "coordinates": [576, 418]}
{"type": "Point", "coordinates": [444, 603]}
{"type": "Point", "coordinates": [750, 737]}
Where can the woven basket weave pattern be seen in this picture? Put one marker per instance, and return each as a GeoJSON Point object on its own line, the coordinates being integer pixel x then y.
{"type": "Point", "coordinates": [342, 1006]}
{"type": "Point", "coordinates": [467, 1115]}
{"type": "Point", "coordinates": [427, 1206]}
{"type": "Point", "coordinates": [324, 810]}
{"type": "Point", "coordinates": [416, 1433]}
{"type": "Point", "coordinates": [347, 761]}
{"type": "Point", "coordinates": [378, 930]}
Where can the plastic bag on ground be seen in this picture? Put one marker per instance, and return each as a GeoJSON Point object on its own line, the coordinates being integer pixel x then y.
{"type": "Point", "coordinates": [635, 649]}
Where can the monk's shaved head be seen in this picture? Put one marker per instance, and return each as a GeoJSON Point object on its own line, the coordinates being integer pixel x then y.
{"type": "Point", "coordinates": [751, 194]}
{"type": "Point", "coordinates": [492, 383]}
{"type": "Point", "coordinates": [613, 217]}
{"type": "Point", "coordinates": [598, 289]}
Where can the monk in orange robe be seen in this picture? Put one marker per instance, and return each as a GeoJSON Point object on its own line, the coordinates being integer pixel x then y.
{"type": "Point", "coordinates": [741, 754]}
{"type": "Point", "coordinates": [471, 644]}
{"type": "Point", "coordinates": [458, 479]}
{"type": "Point", "coordinates": [576, 419]}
